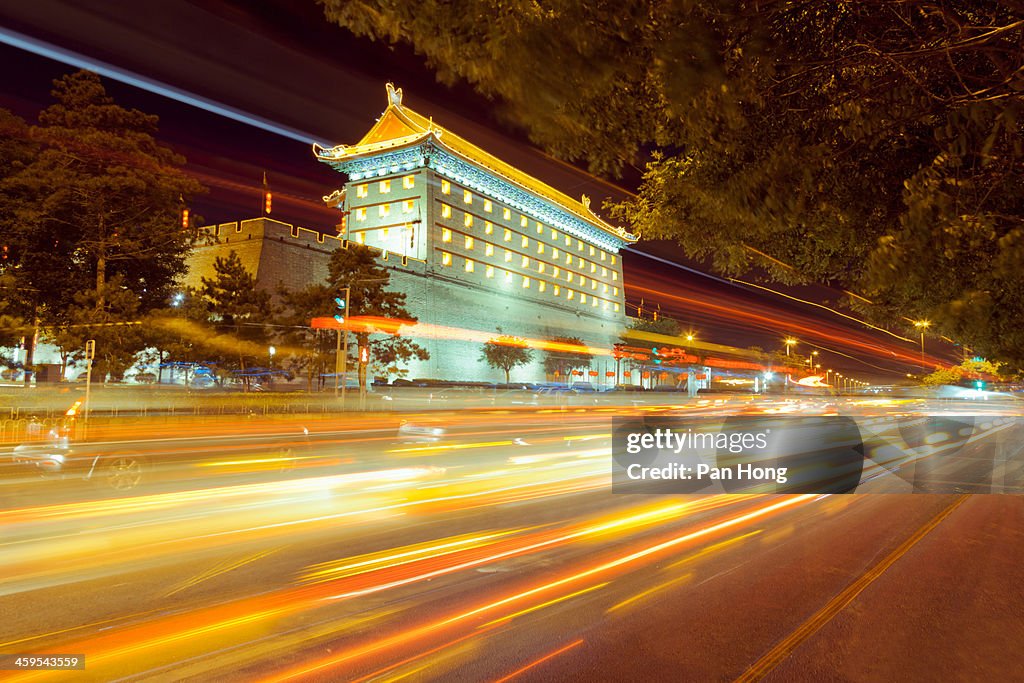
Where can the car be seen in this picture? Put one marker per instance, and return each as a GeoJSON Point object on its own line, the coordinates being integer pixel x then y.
{"type": "Point", "coordinates": [124, 466]}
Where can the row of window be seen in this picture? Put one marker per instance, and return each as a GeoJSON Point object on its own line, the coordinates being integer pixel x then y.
{"type": "Point", "coordinates": [527, 281]}
{"type": "Point", "coordinates": [384, 186]}
{"type": "Point", "coordinates": [384, 210]}
{"type": "Point", "coordinates": [469, 243]}
{"type": "Point", "coordinates": [542, 268]}
{"type": "Point", "coordinates": [468, 220]}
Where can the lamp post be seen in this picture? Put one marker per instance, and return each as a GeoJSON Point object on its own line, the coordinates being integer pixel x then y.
{"type": "Point", "coordinates": [922, 325]}
{"type": "Point", "coordinates": [788, 341]}
{"type": "Point", "coordinates": [270, 352]}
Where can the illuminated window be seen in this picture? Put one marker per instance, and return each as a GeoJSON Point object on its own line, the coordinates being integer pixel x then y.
{"type": "Point", "coordinates": [616, 307]}
{"type": "Point", "coordinates": [384, 234]}
{"type": "Point", "coordinates": [541, 286]}
{"type": "Point", "coordinates": [409, 182]}
{"type": "Point", "coordinates": [555, 272]}
{"type": "Point", "coordinates": [446, 211]}
{"type": "Point", "coordinates": [526, 242]}
{"type": "Point", "coordinates": [467, 196]}
{"type": "Point", "coordinates": [489, 251]}
{"type": "Point", "coordinates": [579, 263]}
{"type": "Point", "coordinates": [526, 282]}
{"type": "Point", "coordinates": [523, 221]}
{"type": "Point", "coordinates": [570, 295]}
{"type": "Point", "coordinates": [593, 267]}
{"type": "Point", "coordinates": [469, 266]}
{"type": "Point", "coordinates": [488, 227]}
{"type": "Point", "coordinates": [540, 267]}
{"type": "Point", "coordinates": [568, 241]}
{"type": "Point", "coordinates": [508, 256]}
{"type": "Point", "coordinates": [583, 281]}
{"type": "Point", "coordinates": [554, 235]}
{"type": "Point", "coordinates": [526, 262]}
{"type": "Point", "coordinates": [615, 291]}
{"type": "Point", "coordinates": [508, 276]}
{"type": "Point", "coordinates": [604, 272]}
{"type": "Point", "coordinates": [361, 214]}
{"type": "Point", "coordinates": [446, 187]}
{"type": "Point", "coordinates": [384, 210]}
{"type": "Point", "coordinates": [593, 302]}
{"type": "Point", "coordinates": [490, 271]}
{"type": "Point", "coordinates": [615, 275]}
{"type": "Point", "coordinates": [408, 205]}
{"type": "Point", "coordinates": [604, 289]}
{"type": "Point", "coordinates": [487, 205]}
{"type": "Point", "coordinates": [592, 252]}
{"type": "Point", "coordinates": [540, 247]}
{"type": "Point", "coordinates": [385, 186]}
{"type": "Point", "coordinates": [467, 220]}
{"type": "Point", "coordinates": [579, 245]}
{"type": "Point", "coordinates": [507, 214]}
{"type": "Point", "coordinates": [469, 242]}
{"type": "Point", "coordinates": [446, 235]}
{"type": "Point", "coordinates": [362, 190]}
{"type": "Point", "coordinates": [604, 306]}
{"type": "Point", "coordinates": [556, 290]}
{"type": "Point", "coordinates": [583, 298]}
{"type": "Point", "coordinates": [568, 259]}
{"type": "Point", "coordinates": [568, 277]}
{"type": "Point", "coordinates": [593, 284]}
{"type": "Point", "coordinates": [361, 238]}
{"type": "Point", "coordinates": [554, 253]}
{"type": "Point", "coordinates": [446, 258]}
{"type": "Point", "coordinates": [508, 235]}
{"type": "Point", "coordinates": [604, 255]}
{"type": "Point", "coordinates": [613, 259]}
{"type": "Point", "coordinates": [540, 229]}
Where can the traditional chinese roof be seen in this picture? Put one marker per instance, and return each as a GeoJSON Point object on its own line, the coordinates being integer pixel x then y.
{"type": "Point", "coordinates": [400, 128]}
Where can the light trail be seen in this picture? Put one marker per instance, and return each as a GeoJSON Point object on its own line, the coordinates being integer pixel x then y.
{"type": "Point", "coordinates": [65, 56]}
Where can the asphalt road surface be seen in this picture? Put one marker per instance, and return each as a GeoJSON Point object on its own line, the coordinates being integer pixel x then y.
{"type": "Point", "coordinates": [495, 551]}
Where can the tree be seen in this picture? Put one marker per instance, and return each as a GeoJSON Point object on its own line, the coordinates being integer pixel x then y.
{"type": "Point", "coordinates": [565, 355]}
{"type": "Point", "coordinates": [309, 350]}
{"type": "Point", "coordinates": [872, 145]}
{"type": "Point", "coordinates": [240, 313]}
{"type": "Point", "coordinates": [505, 353]}
{"type": "Point", "coordinates": [356, 267]}
{"type": "Point", "coordinates": [968, 369]}
{"type": "Point", "coordinates": [99, 202]}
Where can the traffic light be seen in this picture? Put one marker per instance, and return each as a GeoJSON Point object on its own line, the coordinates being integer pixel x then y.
{"type": "Point", "coordinates": [184, 219]}
{"type": "Point", "coordinates": [654, 356]}
{"type": "Point", "coordinates": [268, 198]}
{"type": "Point", "coordinates": [341, 305]}
{"type": "Point", "coordinates": [364, 355]}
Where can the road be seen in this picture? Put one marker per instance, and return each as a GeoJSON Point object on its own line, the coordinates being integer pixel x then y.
{"type": "Point", "coordinates": [498, 553]}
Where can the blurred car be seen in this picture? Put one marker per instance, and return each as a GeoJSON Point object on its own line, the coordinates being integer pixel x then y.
{"type": "Point", "coordinates": [127, 465]}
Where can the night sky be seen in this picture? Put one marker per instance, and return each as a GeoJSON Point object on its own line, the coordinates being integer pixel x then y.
{"type": "Point", "coordinates": [282, 62]}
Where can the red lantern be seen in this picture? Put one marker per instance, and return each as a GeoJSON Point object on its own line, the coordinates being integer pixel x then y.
{"type": "Point", "coordinates": [609, 374]}
{"type": "Point", "coordinates": [593, 373]}
{"type": "Point", "coordinates": [645, 375]}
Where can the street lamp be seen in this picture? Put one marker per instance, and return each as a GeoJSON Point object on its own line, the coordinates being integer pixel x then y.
{"type": "Point", "coordinates": [270, 352]}
{"type": "Point", "coordinates": [788, 341]}
{"type": "Point", "coordinates": [922, 325]}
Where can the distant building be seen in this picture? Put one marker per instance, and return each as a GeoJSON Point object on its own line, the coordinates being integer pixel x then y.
{"type": "Point", "coordinates": [474, 243]}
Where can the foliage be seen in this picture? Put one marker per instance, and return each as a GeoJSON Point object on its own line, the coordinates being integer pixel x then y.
{"type": "Point", "coordinates": [92, 195]}
{"type": "Point", "coordinates": [969, 369]}
{"type": "Point", "coordinates": [873, 145]}
{"type": "Point", "coordinates": [356, 267]}
{"type": "Point", "coordinates": [563, 359]}
{"type": "Point", "coordinates": [308, 350]}
{"type": "Point", "coordinates": [239, 312]}
{"type": "Point", "coordinates": [106, 316]}
{"type": "Point", "coordinates": [505, 353]}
